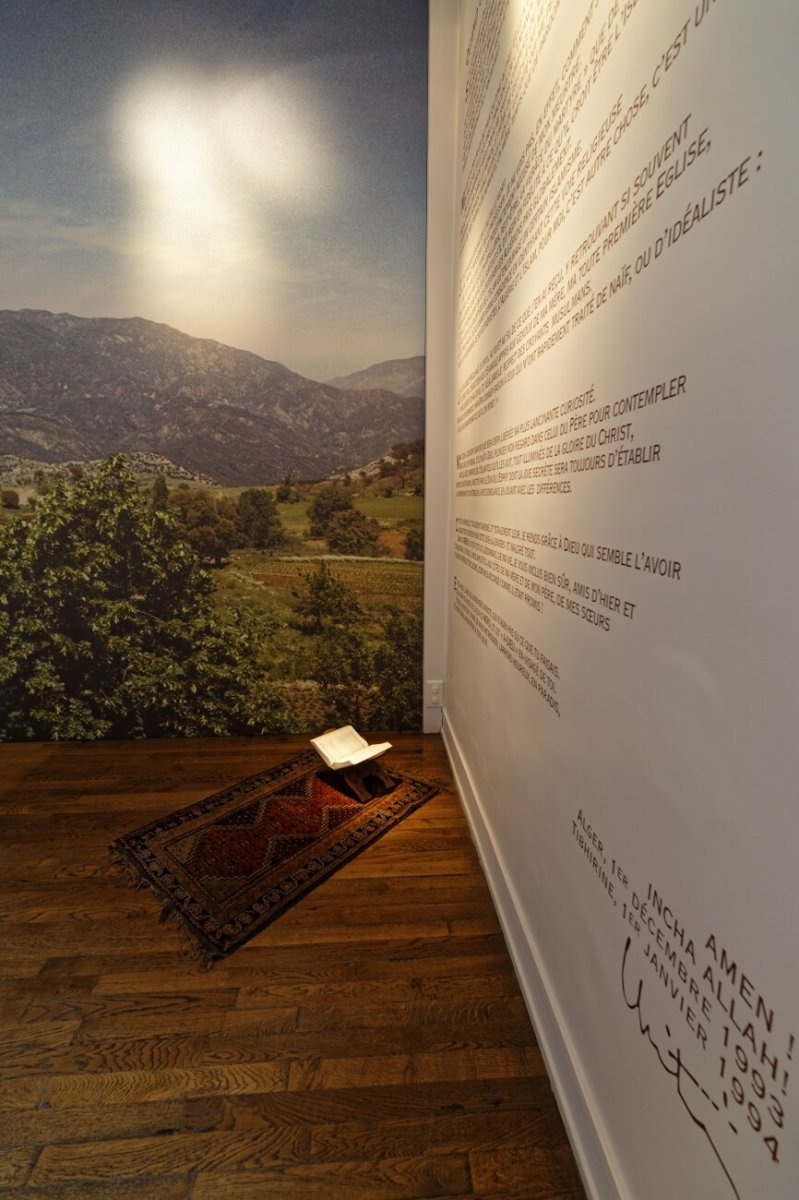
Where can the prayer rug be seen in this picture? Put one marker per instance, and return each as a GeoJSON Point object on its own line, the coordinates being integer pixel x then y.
{"type": "Point", "coordinates": [228, 865]}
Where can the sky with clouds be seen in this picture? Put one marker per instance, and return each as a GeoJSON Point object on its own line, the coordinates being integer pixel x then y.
{"type": "Point", "coordinates": [251, 171]}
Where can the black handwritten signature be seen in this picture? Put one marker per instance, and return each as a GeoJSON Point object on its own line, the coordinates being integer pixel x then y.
{"type": "Point", "coordinates": [671, 1062]}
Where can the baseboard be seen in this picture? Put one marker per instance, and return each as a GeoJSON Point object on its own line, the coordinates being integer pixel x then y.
{"type": "Point", "coordinates": [432, 720]}
{"type": "Point", "coordinates": [579, 1115]}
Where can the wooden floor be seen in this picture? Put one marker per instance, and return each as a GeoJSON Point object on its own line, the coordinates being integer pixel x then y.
{"type": "Point", "coordinates": [371, 1044]}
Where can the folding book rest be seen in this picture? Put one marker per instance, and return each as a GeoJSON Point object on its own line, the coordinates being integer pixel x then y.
{"type": "Point", "coordinates": [367, 779]}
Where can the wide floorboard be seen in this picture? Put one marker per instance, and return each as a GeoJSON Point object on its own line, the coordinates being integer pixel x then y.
{"type": "Point", "coordinates": [371, 1044]}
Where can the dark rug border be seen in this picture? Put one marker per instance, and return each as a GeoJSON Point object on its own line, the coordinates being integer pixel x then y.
{"type": "Point", "coordinates": [125, 852]}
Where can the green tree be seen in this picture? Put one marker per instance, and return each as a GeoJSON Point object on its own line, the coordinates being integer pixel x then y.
{"type": "Point", "coordinates": [350, 532]}
{"type": "Point", "coordinates": [42, 480]}
{"type": "Point", "coordinates": [414, 542]}
{"type": "Point", "coordinates": [398, 672]}
{"type": "Point", "coordinates": [159, 493]}
{"type": "Point", "coordinates": [345, 671]}
{"type": "Point", "coordinates": [107, 627]}
{"type": "Point", "coordinates": [257, 520]}
{"type": "Point", "coordinates": [328, 500]}
{"type": "Point", "coordinates": [340, 656]}
{"type": "Point", "coordinates": [284, 493]}
{"type": "Point", "coordinates": [206, 522]}
{"type": "Point", "coordinates": [325, 603]}
{"type": "Point", "coordinates": [408, 452]}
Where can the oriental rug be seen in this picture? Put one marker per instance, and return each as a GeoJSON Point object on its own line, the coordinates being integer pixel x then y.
{"type": "Point", "coordinates": [230, 864]}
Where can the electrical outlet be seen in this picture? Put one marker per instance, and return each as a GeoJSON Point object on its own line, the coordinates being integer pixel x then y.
{"type": "Point", "coordinates": [435, 693]}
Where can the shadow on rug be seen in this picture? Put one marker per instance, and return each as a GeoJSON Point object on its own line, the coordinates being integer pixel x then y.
{"type": "Point", "coordinates": [228, 865]}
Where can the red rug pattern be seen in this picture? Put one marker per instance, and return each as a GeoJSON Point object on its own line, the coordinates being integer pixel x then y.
{"type": "Point", "coordinates": [230, 864]}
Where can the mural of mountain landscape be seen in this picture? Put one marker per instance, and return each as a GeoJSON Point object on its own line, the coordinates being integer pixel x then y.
{"type": "Point", "coordinates": [212, 236]}
{"type": "Point", "coordinates": [78, 389]}
{"type": "Point", "coordinates": [249, 541]}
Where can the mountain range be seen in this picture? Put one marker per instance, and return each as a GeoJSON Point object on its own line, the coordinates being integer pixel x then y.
{"type": "Point", "coordinates": [80, 388]}
{"type": "Point", "coordinates": [403, 376]}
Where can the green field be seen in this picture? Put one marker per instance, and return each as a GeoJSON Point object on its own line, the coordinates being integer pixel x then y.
{"type": "Point", "coordinates": [268, 581]}
{"type": "Point", "coordinates": [388, 511]}
{"type": "Point", "coordinates": [375, 581]}
{"type": "Point", "coordinates": [266, 588]}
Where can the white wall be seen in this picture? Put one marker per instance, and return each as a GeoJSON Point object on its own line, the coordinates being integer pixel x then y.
{"type": "Point", "coordinates": [622, 689]}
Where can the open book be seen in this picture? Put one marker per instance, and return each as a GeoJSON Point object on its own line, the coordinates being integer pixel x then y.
{"type": "Point", "coordinates": [345, 747]}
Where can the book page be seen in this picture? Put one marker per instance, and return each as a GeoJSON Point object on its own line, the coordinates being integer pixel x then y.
{"type": "Point", "coordinates": [345, 747]}
{"type": "Point", "coordinates": [338, 745]}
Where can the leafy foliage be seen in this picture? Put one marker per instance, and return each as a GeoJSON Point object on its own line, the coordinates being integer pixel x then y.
{"type": "Point", "coordinates": [257, 520]}
{"type": "Point", "coordinates": [206, 522]}
{"type": "Point", "coordinates": [414, 542]}
{"type": "Point", "coordinates": [350, 532]}
{"type": "Point", "coordinates": [286, 493]}
{"type": "Point", "coordinates": [409, 453]}
{"type": "Point", "coordinates": [159, 493]}
{"type": "Point", "coordinates": [330, 499]}
{"type": "Point", "coordinates": [326, 605]}
{"type": "Point", "coordinates": [345, 673]}
{"type": "Point", "coordinates": [372, 682]}
{"type": "Point", "coordinates": [398, 667]}
{"type": "Point", "coordinates": [107, 627]}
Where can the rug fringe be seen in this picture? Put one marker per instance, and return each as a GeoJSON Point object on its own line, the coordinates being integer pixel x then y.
{"type": "Point", "coordinates": [133, 878]}
{"type": "Point", "coordinates": [190, 948]}
{"type": "Point", "coordinates": [437, 780]}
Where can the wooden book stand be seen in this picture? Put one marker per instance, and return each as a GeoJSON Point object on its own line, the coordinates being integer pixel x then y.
{"type": "Point", "coordinates": [367, 780]}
